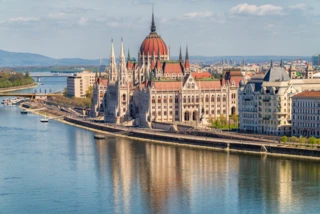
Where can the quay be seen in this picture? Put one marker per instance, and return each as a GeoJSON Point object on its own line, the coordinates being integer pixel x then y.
{"type": "Point", "coordinates": [270, 148]}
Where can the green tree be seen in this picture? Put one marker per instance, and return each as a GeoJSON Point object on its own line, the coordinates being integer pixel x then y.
{"type": "Point", "coordinates": [312, 140]}
{"type": "Point", "coordinates": [293, 139]}
{"type": "Point", "coordinates": [284, 139]}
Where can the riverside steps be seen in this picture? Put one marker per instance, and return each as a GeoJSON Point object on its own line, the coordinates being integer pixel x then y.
{"type": "Point", "coordinates": [263, 147]}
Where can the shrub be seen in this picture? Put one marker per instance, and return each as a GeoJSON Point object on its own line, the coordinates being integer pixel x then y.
{"type": "Point", "coordinates": [302, 139]}
{"type": "Point", "coordinates": [293, 139]}
{"type": "Point", "coordinates": [312, 140]}
{"type": "Point", "coordinates": [284, 139]}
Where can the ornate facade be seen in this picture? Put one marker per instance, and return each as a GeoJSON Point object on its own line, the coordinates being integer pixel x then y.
{"type": "Point", "coordinates": [157, 89]}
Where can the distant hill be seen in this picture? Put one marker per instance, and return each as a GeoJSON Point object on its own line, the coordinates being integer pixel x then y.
{"type": "Point", "coordinates": [11, 59]}
{"type": "Point", "coordinates": [27, 59]}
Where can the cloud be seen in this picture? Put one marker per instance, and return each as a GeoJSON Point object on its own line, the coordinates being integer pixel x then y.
{"type": "Point", "coordinates": [263, 10]}
{"type": "Point", "coordinates": [198, 14]}
{"type": "Point", "coordinates": [302, 7]}
{"type": "Point", "coordinates": [22, 19]}
{"type": "Point", "coordinates": [83, 21]}
{"type": "Point", "coordinates": [59, 15]}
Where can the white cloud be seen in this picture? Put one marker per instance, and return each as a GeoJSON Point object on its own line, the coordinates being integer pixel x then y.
{"type": "Point", "coordinates": [23, 19]}
{"type": "Point", "coordinates": [198, 14]}
{"type": "Point", "coordinates": [263, 10]}
{"type": "Point", "coordinates": [302, 7]}
{"type": "Point", "coordinates": [59, 15]}
{"type": "Point", "coordinates": [83, 21]}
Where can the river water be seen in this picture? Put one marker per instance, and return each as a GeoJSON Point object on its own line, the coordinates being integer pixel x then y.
{"type": "Point", "coordinates": [57, 168]}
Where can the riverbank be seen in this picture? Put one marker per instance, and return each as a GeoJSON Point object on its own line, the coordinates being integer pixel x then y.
{"type": "Point", "coordinates": [164, 137]}
{"type": "Point", "coordinates": [17, 88]}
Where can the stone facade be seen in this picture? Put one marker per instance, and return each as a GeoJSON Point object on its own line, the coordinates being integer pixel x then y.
{"type": "Point", "coordinates": [306, 114]}
{"type": "Point", "coordinates": [265, 104]}
{"type": "Point", "coordinates": [79, 83]}
{"type": "Point", "coordinates": [159, 89]}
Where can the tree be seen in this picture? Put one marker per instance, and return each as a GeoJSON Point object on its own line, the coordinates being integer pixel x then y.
{"type": "Point", "coordinates": [284, 139]}
{"type": "Point", "coordinates": [293, 139]}
{"type": "Point", "coordinates": [312, 140]}
{"type": "Point", "coordinates": [27, 75]}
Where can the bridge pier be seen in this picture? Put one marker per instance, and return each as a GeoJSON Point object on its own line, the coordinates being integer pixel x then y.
{"type": "Point", "coordinates": [38, 79]}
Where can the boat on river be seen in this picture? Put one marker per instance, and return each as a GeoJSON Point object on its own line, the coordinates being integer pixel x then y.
{"type": "Point", "coordinates": [24, 112]}
{"type": "Point", "coordinates": [45, 119]}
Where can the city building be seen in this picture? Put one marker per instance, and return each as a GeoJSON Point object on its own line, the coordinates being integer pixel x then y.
{"type": "Point", "coordinates": [315, 59]}
{"type": "Point", "coordinates": [306, 114]}
{"type": "Point", "coordinates": [157, 89]}
{"type": "Point", "coordinates": [99, 91]}
{"type": "Point", "coordinates": [79, 83]}
{"type": "Point", "coordinates": [265, 104]}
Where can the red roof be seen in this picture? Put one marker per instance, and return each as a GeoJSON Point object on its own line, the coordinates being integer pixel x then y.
{"type": "Point", "coordinates": [170, 68]}
{"type": "Point", "coordinates": [308, 94]}
{"type": "Point", "coordinates": [153, 44]}
{"type": "Point", "coordinates": [200, 75]}
{"type": "Point", "coordinates": [162, 86]}
{"type": "Point", "coordinates": [213, 84]}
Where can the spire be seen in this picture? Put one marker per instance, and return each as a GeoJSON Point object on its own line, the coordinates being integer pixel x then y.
{"type": "Point", "coordinates": [112, 50]}
{"type": "Point", "coordinates": [281, 63]}
{"type": "Point", "coordinates": [187, 63]}
{"type": "Point", "coordinates": [180, 55]}
{"type": "Point", "coordinates": [129, 55]}
{"type": "Point", "coordinates": [271, 64]}
{"type": "Point", "coordinates": [153, 25]}
{"type": "Point", "coordinates": [187, 53]}
{"type": "Point", "coordinates": [121, 49]}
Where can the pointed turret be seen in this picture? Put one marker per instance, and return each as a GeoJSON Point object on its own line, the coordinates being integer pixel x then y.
{"type": "Point", "coordinates": [281, 63]}
{"type": "Point", "coordinates": [112, 50]}
{"type": "Point", "coordinates": [122, 56]}
{"type": "Point", "coordinates": [113, 76]}
{"type": "Point", "coordinates": [129, 64]}
{"type": "Point", "coordinates": [187, 63]}
{"type": "Point", "coordinates": [271, 64]}
{"type": "Point", "coordinates": [153, 25]}
{"type": "Point", "coordinates": [180, 55]}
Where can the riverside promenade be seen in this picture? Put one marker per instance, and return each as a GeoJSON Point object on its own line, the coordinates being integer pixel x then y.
{"type": "Point", "coordinates": [263, 147]}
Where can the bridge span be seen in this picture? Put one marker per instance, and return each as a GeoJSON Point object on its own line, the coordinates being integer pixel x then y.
{"type": "Point", "coordinates": [39, 75]}
{"type": "Point", "coordinates": [29, 95]}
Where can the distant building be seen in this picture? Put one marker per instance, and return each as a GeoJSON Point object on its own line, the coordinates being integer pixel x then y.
{"type": "Point", "coordinates": [265, 104]}
{"type": "Point", "coordinates": [306, 114]}
{"type": "Point", "coordinates": [315, 59]}
{"type": "Point", "coordinates": [79, 83]}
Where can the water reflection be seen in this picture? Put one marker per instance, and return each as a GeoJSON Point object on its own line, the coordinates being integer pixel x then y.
{"type": "Point", "coordinates": [56, 168]}
{"type": "Point", "coordinates": [169, 179]}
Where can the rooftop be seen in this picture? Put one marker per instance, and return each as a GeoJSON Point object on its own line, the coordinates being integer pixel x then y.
{"type": "Point", "coordinates": [308, 94]}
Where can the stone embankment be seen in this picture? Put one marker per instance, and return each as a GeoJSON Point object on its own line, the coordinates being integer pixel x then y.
{"type": "Point", "coordinates": [196, 139]}
{"type": "Point", "coordinates": [217, 143]}
{"type": "Point", "coordinates": [17, 88]}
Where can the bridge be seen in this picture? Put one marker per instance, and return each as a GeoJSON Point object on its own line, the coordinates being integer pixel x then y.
{"type": "Point", "coordinates": [29, 95]}
{"type": "Point", "coordinates": [39, 75]}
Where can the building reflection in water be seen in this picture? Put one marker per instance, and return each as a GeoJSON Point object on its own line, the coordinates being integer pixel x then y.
{"type": "Point", "coordinates": [155, 178]}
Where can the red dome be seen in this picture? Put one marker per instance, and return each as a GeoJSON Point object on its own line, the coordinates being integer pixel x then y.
{"type": "Point", "coordinates": [152, 44]}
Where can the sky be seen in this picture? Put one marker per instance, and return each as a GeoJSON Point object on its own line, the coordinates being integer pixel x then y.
{"type": "Point", "coordinates": [84, 29]}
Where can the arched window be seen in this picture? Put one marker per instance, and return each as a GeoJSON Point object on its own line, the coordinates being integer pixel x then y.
{"type": "Point", "coordinates": [192, 99]}
{"type": "Point", "coordinates": [189, 100]}
{"type": "Point", "coordinates": [212, 98]}
{"type": "Point", "coordinates": [159, 99]}
{"type": "Point", "coordinates": [186, 116]}
{"type": "Point", "coordinates": [165, 99]}
{"type": "Point", "coordinates": [197, 99]}
{"type": "Point", "coordinates": [153, 100]}
{"type": "Point", "coordinates": [207, 98]}
{"type": "Point", "coordinates": [124, 97]}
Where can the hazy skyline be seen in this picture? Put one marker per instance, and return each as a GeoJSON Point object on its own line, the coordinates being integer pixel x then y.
{"type": "Point", "coordinates": [79, 28]}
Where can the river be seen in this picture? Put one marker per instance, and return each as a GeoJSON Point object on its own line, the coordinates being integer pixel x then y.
{"type": "Point", "coordinates": [57, 168]}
